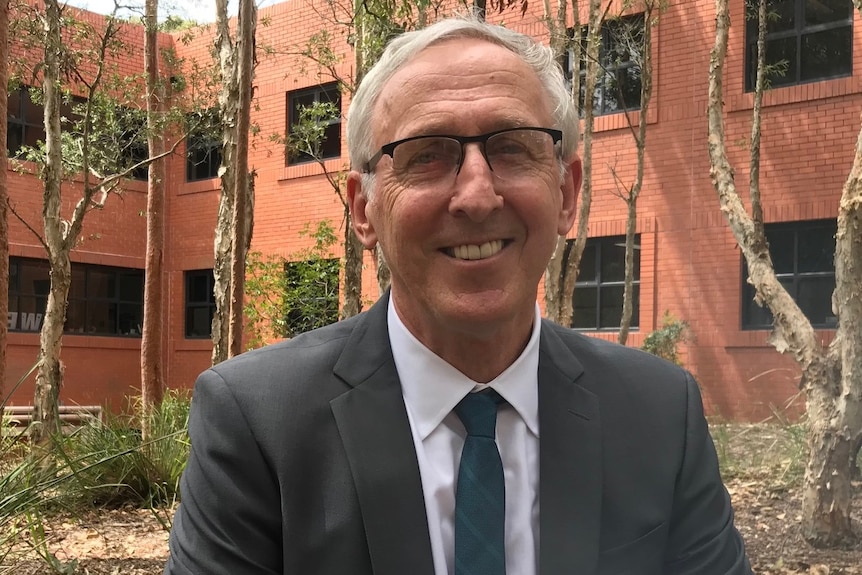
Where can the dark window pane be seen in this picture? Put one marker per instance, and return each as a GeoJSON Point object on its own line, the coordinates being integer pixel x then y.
{"type": "Point", "coordinates": [587, 268]}
{"type": "Point", "coordinates": [815, 299]}
{"type": "Point", "coordinates": [781, 53]}
{"type": "Point", "coordinates": [613, 254]}
{"type": "Point", "coordinates": [131, 287]}
{"type": "Point", "coordinates": [781, 248]}
{"type": "Point", "coordinates": [101, 317]}
{"type": "Point", "coordinates": [826, 11]}
{"type": "Point", "coordinates": [76, 316]}
{"type": "Point", "coordinates": [131, 318]}
{"type": "Point", "coordinates": [314, 147]}
{"type": "Point", "coordinates": [826, 54]}
{"type": "Point", "coordinates": [782, 15]}
{"type": "Point", "coordinates": [585, 300]}
{"type": "Point", "coordinates": [611, 306]}
{"type": "Point", "coordinates": [199, 322]}
{"type": "Point", "coordinates": [199, 290]}
{"type": "Point", "coordinates": [816, 250]}
{"type": "Point", "coordinates": [101, 284]}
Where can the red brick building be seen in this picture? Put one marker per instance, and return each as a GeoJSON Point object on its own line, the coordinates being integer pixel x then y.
{"type": "Point", "coordinates": [689, 264]}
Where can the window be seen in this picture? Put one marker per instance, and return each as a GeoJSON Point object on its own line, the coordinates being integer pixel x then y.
{"type": "Point", "coordinates": [132, 141]}
{"type": "Point", "coordinates": [811, 38]}
{"type": "Point", "coordinates": [102, 300]}
{"type": "Point", "coordinates": [311, 299]}
{"type": "Point", "coordinates": [203, 147]}
{"type": "Point", "coordinates": [200, 303]}
{"type": "Point", "coordinates": [619, 85]}
{"type": "Point", "coordinates": [803, 257]}
{"type": "Point", "coordinates": [598, 298]}
{"type": "Point", "coordinates": [26, 121]}
{"type": "Point", "coordinates": [26, 118]}
{"type": "Point", "coordinates": [314, 124]}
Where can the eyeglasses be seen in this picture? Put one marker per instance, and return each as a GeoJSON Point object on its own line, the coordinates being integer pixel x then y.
{"type": "Point", "coordinates": [512, 154]}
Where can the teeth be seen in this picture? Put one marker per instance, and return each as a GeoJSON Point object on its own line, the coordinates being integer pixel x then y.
{"type": "Point", "coordinates": [477, 252]}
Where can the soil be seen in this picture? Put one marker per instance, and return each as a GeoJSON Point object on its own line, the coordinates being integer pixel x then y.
{"type": "Point", "coordinates": [762, 465]}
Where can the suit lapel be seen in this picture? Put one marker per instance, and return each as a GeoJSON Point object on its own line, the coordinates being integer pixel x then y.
{"type": "Point", "coordinates": [570, 463]}
{"type": "Point", "coordinates": [372, 421]}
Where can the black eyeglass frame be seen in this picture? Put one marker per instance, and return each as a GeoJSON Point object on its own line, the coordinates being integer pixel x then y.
{"type": "Point", "coordinates": [389, 149]}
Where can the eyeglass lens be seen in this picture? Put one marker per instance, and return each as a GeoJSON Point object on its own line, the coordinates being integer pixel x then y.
{"type": "Point", "coordinates": [510, 154]}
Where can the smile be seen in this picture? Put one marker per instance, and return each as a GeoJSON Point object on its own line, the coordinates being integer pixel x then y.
{"type": "Point", "coordinates": [476, 252]}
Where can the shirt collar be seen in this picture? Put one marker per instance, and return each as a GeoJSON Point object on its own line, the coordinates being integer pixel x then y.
{"type": "Point", "coordinates": [432, 388]}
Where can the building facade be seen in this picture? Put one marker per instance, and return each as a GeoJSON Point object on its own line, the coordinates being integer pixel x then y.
{"type": "Point", "coordinates": [687, 262]}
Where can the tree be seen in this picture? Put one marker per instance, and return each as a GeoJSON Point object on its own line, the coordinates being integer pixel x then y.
{"type": "Point", "coordinates": [562, 271]}
{"type": "Point", "coordinates": [4, 194]}
{"type": "Point", "coordinates": [636, 37]}
{"type": "Point", "coordinates": [236, 203]}
{"type": "Point", "coordinates": [152, 383]}
{"type": "Point", "coordinates": [831, 375]}
{"type": "Point", "coordinates": [79, 73]}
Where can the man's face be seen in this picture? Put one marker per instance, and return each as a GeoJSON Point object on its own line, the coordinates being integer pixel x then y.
{"type": "Point", "coordinates": [464, 87]}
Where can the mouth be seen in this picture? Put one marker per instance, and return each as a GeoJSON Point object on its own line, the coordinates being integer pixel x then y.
{"type": "Point", "coordinates": [475, 251]}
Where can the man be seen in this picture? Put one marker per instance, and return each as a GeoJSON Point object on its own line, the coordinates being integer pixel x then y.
{"type": "Point", "coordinates": [339, 452]}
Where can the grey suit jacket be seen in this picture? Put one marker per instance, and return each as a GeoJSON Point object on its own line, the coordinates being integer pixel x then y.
{"type": "Point", "coordinates": [303, 463]}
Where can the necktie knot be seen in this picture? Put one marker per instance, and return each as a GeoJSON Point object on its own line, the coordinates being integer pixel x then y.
{"type": "Point", "coordinates": [478, 412]}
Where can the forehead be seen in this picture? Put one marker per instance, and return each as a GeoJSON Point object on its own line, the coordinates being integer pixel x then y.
{"type": "Point", "coordinates": [460, 86]}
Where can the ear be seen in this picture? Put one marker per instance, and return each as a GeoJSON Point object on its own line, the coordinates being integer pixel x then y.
{"type": "Point", "coordinates": [569, 188]}
{"type": "Point", "coordinates": [357, 200]}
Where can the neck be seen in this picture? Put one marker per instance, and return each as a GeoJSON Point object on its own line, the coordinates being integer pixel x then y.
{"type": "Point", "coordinates": [479, 352]}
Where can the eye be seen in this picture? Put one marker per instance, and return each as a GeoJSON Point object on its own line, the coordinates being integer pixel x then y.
{"type": "Point", "coordinates": [424, 154]}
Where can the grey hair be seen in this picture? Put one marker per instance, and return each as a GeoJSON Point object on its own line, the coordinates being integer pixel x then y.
{"type": "Point", "coordinates": [407, 46]}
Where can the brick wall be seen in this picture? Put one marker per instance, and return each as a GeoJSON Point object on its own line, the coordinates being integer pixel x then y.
{"type": "Point", "coordinates": [690, 265]}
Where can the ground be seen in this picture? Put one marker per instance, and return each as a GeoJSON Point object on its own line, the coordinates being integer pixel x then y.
{"type": "Point", "coordinates": [762, 465]}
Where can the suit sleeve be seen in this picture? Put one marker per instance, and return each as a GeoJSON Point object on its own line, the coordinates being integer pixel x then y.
{"type": "Point", "coordinates": [229, 520]}
{"type": "Point", "coordinates": [702, 538]}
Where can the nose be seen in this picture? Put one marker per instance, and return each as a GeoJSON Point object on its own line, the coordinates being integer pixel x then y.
{"type": "Point", "coordinates": [474, 194]}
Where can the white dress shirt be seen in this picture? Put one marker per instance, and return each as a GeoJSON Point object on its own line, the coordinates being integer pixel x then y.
{"type": "Point", "coordinates": [431, 389]}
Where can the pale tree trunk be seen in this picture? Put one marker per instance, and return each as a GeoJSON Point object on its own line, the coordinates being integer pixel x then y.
{"type": "Point", "coordinates": [560, 43]}
{"type": "Point", "coordinates": [240, 227]}
{"type": "Point", "coordinates": [228, 100]}
{"type": "Point", "coordinates": [352, 269]}
{"type": "Point", "coordinates": [4, 197]}
{"type": "Point", "coordinates": [152, 384]}
{"type": "Point", "coordinates": [570, 266]}
{"type": "Point", "coordinates": [49, 377]}
{"type": "Point", "coordinates": [832, 381]}
{"type": "Point", "coordinates": [645, 50]}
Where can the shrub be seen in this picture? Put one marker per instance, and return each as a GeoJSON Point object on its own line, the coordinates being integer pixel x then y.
{"type": "Point", "coordinates": [665, 341]}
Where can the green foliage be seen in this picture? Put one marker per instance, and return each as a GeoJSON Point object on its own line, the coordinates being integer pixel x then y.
{"type": "Point", "coordinates": [306, 137]}
{"type": "Point", "coordinates": [286, 296]}
{"type": "Point", "coordinates": [111, 466]}
{"type": "Point", "coordinates": [665, 341]}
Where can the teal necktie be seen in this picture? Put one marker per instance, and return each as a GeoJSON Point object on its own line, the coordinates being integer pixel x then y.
{"type": "Point", "coordinates": [480, 499]}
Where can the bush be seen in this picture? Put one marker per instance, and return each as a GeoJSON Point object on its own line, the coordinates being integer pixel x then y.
{"type": "Point", "coordinates": [665, 341]}
{"type": "Point", "coordinates": [110, 466]}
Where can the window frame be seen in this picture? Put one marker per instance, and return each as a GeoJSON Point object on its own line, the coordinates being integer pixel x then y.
{"type": "Point", "coordinates": [292, 118]}
{"type": "Point", "coordinates": [607, 46]}
{"type": "Point", "coordinates": [599, 284]}
{"type": "Point", "coordinates": [190, 305]}
{"type": "Point", "coordinates": [747, 292]}
{"type": "Point", "coordinates": [117, 305]}
{"type": "Point", "coordinates": [19, 124]}
{"type": "Point", "coordinates": [201, 139]}
{"type": "Point", "coordinates": [799, 31]}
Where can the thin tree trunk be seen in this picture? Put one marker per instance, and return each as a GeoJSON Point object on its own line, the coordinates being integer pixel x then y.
{"type": "Point", "coordinates": [4, 196]}
{"type": "Point", "coordinates": [352, 269]}
{"type": "Point", "coordinates": [152, 384]}
{"type": "Point", "coordinates": [228, 97]}
{"type": "Point", "coordinates": [49, 376]}
{"type": "Point", "coordinates": [570, 275]}
{"type": "Point", "coordinates": [239, 227]}
{"type": "Point", "coordinates": [832, 381]}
